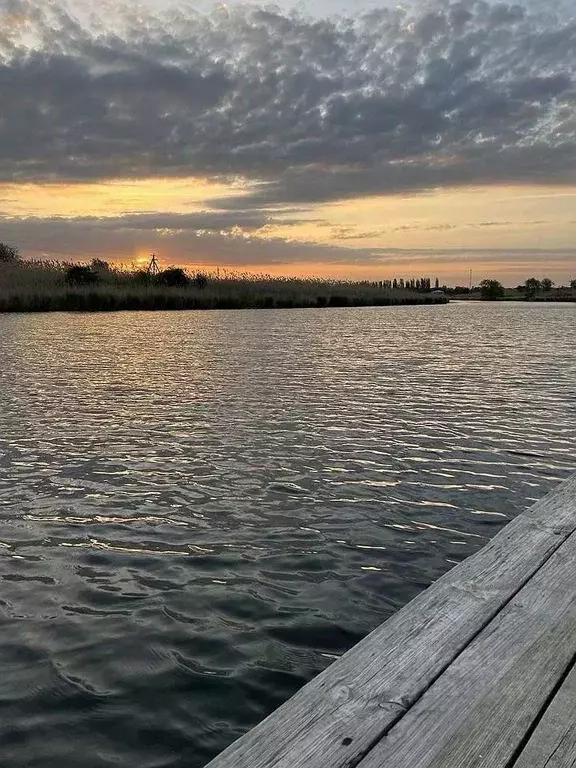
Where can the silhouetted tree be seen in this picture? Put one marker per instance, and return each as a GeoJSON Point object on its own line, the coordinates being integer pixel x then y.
{"type": "Point", "coordinates": [437, 284]}
{"type": "Point", "coordinates": [491, 290]}
{"type": "Point", "coordinates": [573, 284]}
{"type": "Point", "coordinates": [8, 253]}
{"type": "Point", "coordinates": [80, 275]}
{"type": "Point", "coordinates": [546, 284]}
{"type": "Point", "coordinates": [531, 286]}
{"type": "Point", "coordinates": [173, 277]}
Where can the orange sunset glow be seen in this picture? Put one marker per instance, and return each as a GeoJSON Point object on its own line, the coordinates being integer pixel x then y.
{"type": "Point", "coordinates": [442, 231]}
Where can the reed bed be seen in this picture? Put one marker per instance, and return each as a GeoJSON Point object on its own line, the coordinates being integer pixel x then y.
{"type": "Point", "coordinates": [41, 286]}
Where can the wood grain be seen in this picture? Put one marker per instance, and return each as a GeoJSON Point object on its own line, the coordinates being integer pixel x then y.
{"type": "Point", "coordinates": [337, 718]}
{"type": "Point", "coordinates": [478, 712]}
{"type": "Point", "coordinates": [553, 743]}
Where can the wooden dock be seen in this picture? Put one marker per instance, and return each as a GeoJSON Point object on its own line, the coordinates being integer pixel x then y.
{"type": "Point", "coordinates": [477, 672]}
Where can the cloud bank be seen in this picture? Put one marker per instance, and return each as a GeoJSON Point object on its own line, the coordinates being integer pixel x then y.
{"type": "Point", "coordinates": [444, 93]}
{"type": "Point", "coordinates": [298, 111]}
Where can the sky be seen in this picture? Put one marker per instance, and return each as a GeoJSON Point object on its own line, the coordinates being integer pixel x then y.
{"type": "Point", "coordinates": [357, 140]}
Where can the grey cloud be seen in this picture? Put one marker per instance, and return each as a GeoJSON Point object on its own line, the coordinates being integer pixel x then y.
{"type": "Point", "coordinates": [497, 223]}
{"type": "Point", "coordinates": [505, 257]}
{"type": "Point", "coordinates": [316, 109]}
{"type": "Point", "coordinates": [184, 222]}
{"type": "Point", "coordinates": [122, 238]}
{"type": "Point", "coordinates": [177, 239]}
{"type": "Point", "coordinates": [93, 235]}
{"type": "Point", "coordinates": [347, 233]}
{"type": "Point", "coordinates": [474, 225]}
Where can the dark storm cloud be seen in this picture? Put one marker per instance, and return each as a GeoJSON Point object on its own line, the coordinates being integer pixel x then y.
{"type": "Point", "coordinates": [447, 93]}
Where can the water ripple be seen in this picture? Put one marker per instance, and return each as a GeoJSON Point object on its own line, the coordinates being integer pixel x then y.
{"type": "Point", "coordinates": [200, 511]}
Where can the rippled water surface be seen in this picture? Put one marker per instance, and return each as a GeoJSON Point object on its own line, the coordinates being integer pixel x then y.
{"type": "Point", "coordinates": [200, 511]}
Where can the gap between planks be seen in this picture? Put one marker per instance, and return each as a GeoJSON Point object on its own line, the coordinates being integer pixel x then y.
{"type": "Point", "coordinates": [552, 742]}
{"type": "Point", "coordinates": [480, 709]}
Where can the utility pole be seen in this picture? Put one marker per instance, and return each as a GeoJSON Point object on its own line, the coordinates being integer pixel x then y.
{"type": "Point", "coordinates": [470, 283]}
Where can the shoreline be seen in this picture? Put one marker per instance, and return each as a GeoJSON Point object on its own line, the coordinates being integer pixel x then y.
{"type": "Point", "coordinates": [59, 287]}
{"type": "Point", "coordinates": [162, 302]}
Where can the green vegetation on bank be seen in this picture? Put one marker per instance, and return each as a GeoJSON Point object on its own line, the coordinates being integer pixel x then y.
{"type": "Point", "coordinates": [43, 286]}
{"type": "Point", "coordinates": [491, 290]}
{"type": "Point", "coordinates": [531, 290]}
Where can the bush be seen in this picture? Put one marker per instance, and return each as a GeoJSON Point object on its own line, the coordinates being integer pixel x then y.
{"type": "Point", "coordinates": [142, 277]}
{"type": "Point", "coordinates": [80, 275]}
{"type": "Point", "coordinates": [338, 301]}
{"type": "Point", "coordinates": [101, 267]}
{"type": "Point", "coordinates": [174, 277]}
{"type": "Point", "coordinates": [200, 280]}
{"type": "Point", "coordinates": [8, 252]}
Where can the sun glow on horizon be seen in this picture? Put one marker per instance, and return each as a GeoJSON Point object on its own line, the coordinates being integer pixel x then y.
{"type": "Point", "coordinates": [444, 231]}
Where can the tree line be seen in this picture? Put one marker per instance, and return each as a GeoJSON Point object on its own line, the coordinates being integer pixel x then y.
{"type": "Point", "coordinates": [493, 289]}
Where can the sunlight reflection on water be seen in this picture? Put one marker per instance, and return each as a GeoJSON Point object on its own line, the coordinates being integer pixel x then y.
{"type": "Point", "coordinates": [202, 510]}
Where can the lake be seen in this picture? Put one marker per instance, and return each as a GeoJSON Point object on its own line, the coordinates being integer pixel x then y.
{"type": "Point", "coordinates": [202, 510]}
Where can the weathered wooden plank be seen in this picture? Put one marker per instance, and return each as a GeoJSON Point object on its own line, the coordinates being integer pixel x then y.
{"type": "Point", "coordinates": [553, 743]}
{"type": "Point", "coordinates": [479, 710]}
{"type": "Point", "coordinates": [335, 719]}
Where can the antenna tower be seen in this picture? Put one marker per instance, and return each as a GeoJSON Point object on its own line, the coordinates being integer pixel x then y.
{"type": "Point", "coordinates": [153, 268]}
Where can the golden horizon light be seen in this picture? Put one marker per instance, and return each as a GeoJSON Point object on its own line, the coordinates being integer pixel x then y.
{"type": "Point", "coordinates": [444, 231]}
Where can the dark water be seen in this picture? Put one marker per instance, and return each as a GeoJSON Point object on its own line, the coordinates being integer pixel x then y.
{"type": "Point", "coordinates": [200, 511]}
